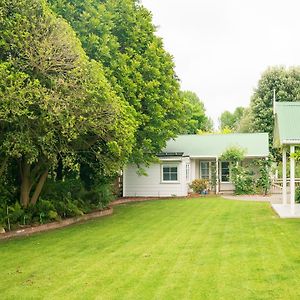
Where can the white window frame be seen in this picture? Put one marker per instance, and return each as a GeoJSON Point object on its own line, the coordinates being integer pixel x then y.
{"type": "Point", "coordinates": [170, 165]}
{"type": "Point", "coordinates": [209, 169]}
{"type": "Point", "coordinates": [188, 172]}
{"type": "Point", "coordinates": [221, 172]}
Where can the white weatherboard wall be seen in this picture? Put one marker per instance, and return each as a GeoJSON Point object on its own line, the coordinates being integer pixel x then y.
{"type": "Point", "coordinates": [135, 185]}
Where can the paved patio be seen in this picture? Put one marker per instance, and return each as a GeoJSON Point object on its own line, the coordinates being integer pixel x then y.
{"type": "Point", "coordinates": [283, 211]}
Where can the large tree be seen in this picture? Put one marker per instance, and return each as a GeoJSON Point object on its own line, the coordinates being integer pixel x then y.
{"type": "Point", "coordinates": [120, 35]}
{"type": "Point", "coordinates": [286, 84]}
{"type": "Point", "coordinates": [194, 111]}
{"type": "Point", "coordinates": [231, 120]}
{"type": "Point", "coordinates": [54, 102]}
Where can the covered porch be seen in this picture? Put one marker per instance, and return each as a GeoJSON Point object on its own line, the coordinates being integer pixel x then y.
{"type": "Point", "coordinates": [287, 138]}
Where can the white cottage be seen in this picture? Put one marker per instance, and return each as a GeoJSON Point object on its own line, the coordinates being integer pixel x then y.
{"type": "Point", "coordinates": [189, 157]}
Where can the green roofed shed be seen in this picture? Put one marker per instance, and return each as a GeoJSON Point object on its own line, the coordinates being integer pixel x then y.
{"type": "Point", "coordinates": [213, 145]}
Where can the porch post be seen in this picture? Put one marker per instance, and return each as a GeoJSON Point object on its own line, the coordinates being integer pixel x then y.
{"type": "Point", "coordinates": [284, 197]}
{"type": "Point", "coordinates": [217, 175]}
{"type": "Point", "coordinates": [292, 179]}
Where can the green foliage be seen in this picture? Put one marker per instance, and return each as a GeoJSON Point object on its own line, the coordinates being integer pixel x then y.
{"type": "Point", "coordinates": [242, 179]}
{"type": "Point", "coordinates": [297, 194]}
{"type": "Point", "coordinates": [55, 102]}
{"type": "Point", "coordinates": [213, 180]}
{"type": "Point", "coordinates": [121, 36]}
{"type": "Point", "coordinates": [263, 183]}
{"type": "Point", "coordinates": [296, 155]}
{"type": "Point", "coordinates": [231, 120]}
{"type": "Point", "coordinates": [245, 122]}
{"type": "Point", "coordinates": [286, 83]}
{"type": "Point", "coordinates": [199, 185]}
{"type": "Point", "coordinates": [195, 113]}
{"type": "Point", "coordinates": [233, 154]}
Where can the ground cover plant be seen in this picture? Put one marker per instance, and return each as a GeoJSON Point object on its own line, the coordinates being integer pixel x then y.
{"type": "Point", "coordinates": [205, 248]}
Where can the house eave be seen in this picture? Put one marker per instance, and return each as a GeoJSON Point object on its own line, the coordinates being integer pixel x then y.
{"type": "Point", "coordinates": [291, 142]}
{"type": "Point", "coordinates": [218, 156]}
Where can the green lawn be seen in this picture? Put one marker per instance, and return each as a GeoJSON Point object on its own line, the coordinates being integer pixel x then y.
{"type": "Point", "coordinates": [181, 249]}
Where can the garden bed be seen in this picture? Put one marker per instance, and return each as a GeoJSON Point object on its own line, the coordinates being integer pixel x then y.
{"type": "Point", "coordinates": [55, 225]}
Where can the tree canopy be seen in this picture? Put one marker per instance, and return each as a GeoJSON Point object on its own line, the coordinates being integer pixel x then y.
{"type": "Point", "coordinates": [195, 114]}
{"type": "Point", "coordinates": [55, 102]}
{"type": "Point", "coordinates": [286, 83]}
{"type": "Point", "coordinates": [231, 120]}
{"type": "Point", "coordinates": [121, 36]}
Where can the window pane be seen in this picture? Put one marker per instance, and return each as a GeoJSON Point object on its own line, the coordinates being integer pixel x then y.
{"type": "Point", "coordinates": [204, 169]}
{"type": "Point", "coordinates": [187, 172]}
{"type": "Point", "coordinates": [170, 173]}
{"type": "Point", "coordinates": [166, 176]}
{"type": "Point", "coordinates": [225, 171]}
{"type": "Point", "coordinates": [174, 176]}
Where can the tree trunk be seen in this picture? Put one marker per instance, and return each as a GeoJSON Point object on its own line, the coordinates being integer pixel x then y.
{"type": "Point", "coordinates": [3, 165]}
{"type": "Point", "coordinates": [25, 184]}
{"type": "Point", "coordinates": [59, 169]}
{"type": "Point", "coordinates": [39, 187]}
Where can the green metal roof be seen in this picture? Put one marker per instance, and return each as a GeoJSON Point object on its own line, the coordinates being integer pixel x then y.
{"type": "Point", "coordinates": [213, 145]}
{"type": "Point", "coordinates": [287, 123]}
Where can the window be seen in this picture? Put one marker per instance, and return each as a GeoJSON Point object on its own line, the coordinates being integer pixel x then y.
{"type": "Point", "coordinates": [204, 170]}
{"type": "Point", "coordinates": [225, 171]}
{"type": "Point", "coordinates": [187, 172]}
{"type": "Point", "coordinates": [169, 173]}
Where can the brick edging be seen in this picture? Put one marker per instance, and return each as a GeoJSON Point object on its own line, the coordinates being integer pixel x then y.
{"type": "Point", "coordinates": [55, 225]}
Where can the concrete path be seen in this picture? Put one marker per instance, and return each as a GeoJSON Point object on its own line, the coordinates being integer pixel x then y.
{"type": "Point", "coordinates": [273, 198]}
{"type": "Point", "coordinates": [283, 211]}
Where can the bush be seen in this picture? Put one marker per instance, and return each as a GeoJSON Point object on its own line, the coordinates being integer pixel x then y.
{"type": "Point", "coordinates": [233, 154]}
{"type": "Point", "coordinates": [243, 180]}
{"type": "Point", "coordinates": [297, 194]}
{"type": "Point", "coordinates": [199, 185]}
{"type": "Point", "coordinates": [59, 199]}
{"type": "Point", "coordinates": [263, 183]}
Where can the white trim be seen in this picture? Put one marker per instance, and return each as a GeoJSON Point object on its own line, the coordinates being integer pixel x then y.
{"type": "Point", "coordinates": [217, 176]}
{"type": "Point", "coordinates": [224, 182]}
{"type": "Point", "coordinates": [292, 179]}
{"type": "Point", "coordinates": [171, 159]}
{"type": "Point", "coordinates": [188, 172]}
{"type": "Point", "coordinates": [284, 195]}
{"type": "Point", "coordinates": [291, 142]}
{"type": "Point", "coordinates": [124, 182]}
{"type": "Point", "coordinates": [172, 165]}
{"type": "Point", "coordinates": [209, 169]}
{"type": "Point", "coordinates": [214, 157]}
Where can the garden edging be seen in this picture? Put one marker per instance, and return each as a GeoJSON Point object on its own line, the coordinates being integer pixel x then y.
{"type": "Point", "coordinates": [55, 225]}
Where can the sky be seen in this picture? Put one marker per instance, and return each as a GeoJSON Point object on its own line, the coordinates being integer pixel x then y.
{"type": "Point", "coordinates": [221, 48]}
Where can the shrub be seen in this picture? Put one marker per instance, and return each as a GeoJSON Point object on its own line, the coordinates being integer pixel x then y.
{"type": "Point", "coordinates": [57, 190]}
{"type": "Point", "coordinates": [243, 180]}
{"type": "Point", "coordinates": [297, 194]}
{"type": "Point", "coordinates": [263, 183]}
{"type": "Point", "coordinates": [199, 185]}
{"type": "Point", "coordinates": [233, 154]}
{"type": "Point", "coordinates": [100, 196]}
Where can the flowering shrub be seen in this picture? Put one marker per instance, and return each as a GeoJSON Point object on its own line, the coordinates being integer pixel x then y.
{"type": "Point", "coordinates": [243, 180]}
{"type": "Point", "coordinates": [199, 185]}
